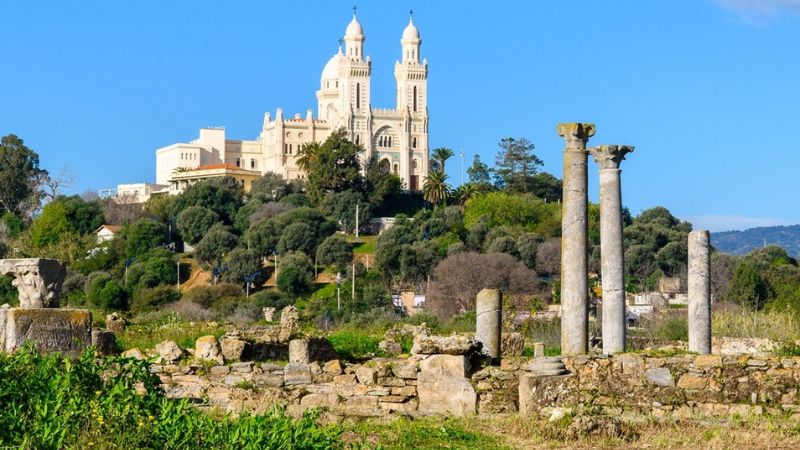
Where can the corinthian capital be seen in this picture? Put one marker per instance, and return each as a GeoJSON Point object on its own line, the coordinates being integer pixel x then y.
{"type": "Point", "coordinates": [610, 156]}
{"type": "Point", "coordinates": [576, 135]}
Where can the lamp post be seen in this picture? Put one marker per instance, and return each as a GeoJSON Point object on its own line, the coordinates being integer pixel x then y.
{"type": "Point", "coordinates": [338, 291]}
{"type": "Point", "coordinates": [128, 262]}
{"type": "Point", "coordinates": [248, 280]}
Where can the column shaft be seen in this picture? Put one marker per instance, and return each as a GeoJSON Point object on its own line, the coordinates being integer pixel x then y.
{"type": "Point", "coordinates": [489, 321]}
{"type": "Point", "coordinates": [612, 262]}
{"type": "Point", "coordinates": [699, 292]}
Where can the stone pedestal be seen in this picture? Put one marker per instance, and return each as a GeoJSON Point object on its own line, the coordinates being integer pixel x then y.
{"type": "Point", "coordinates": [612, 253]}
{"type": "Point", "coordinates": [489, 321]}
{"type": "Point", "coordinates": [67, 331]}
{"type": "Point", "coordinates": [699, 292]}
{"type": "Point", "coordinates": [574, 240]}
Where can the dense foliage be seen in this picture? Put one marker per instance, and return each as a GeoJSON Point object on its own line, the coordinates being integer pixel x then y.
{"type": "Point", "coordinates": [50, 402]}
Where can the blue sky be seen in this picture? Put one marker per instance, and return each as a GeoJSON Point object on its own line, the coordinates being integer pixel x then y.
{"type": "Point", "coordinates": [707, 90]}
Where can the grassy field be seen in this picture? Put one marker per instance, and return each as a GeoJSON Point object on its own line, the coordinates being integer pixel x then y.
{"type": "Point", "coordinates": [514, 432]}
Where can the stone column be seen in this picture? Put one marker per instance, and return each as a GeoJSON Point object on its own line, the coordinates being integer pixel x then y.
{"type": "Point", "coordinates": [612, 254]}
{"type": "Point", "coordinates": [574, 240]}
{"type": "Point", "coordinates": [699, 292]}
{"type": "Point", "coordinates": [489, 321]}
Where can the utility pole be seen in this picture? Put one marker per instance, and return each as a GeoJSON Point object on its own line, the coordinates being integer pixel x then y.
{"type": "Point", "coordinates": [338, 291]}
{"type": "Point", "coordinates": [356, 221]}
{"type": "Point", "coordinates": [178, 267]}
{"type": "Point", "coordinates": [353, 287]}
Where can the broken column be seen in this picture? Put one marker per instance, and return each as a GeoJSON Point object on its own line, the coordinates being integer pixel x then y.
{"type": "Point", "coordinates": [37, 280]}
{"type": "Point", "coordinates": [699, 292]}
{"type": "Point", "coordinates": [489, 321]}
{"type": "Point", "coordinates": [612, 259]}
{"type": "Point", "coordinates": [574, 240]}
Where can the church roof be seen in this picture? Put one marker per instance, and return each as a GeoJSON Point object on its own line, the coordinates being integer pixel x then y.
{"type": "Point", "coordinates": [331, 69]}
{"type": "Point", "coordinates": [411, 31]}
{"type": "Point", "coordinates": [354, 28]}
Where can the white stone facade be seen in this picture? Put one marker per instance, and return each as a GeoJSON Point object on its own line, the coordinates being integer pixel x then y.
{"type": "Point", "coordinates": [398, 136]}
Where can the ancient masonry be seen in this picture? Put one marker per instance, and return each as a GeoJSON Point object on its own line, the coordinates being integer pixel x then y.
{"type": "Point", "coordinates": [574, 254]}
{"type": "Point", "coordinates": [38, 320]}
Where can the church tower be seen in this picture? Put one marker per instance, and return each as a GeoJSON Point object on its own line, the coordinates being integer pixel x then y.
{"type": "Point", "coordinates": [412, 101]}
{"type": "Point", "coordinates": [354, 85]}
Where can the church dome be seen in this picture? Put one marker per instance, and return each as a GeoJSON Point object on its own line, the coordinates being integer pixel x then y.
{"type": "Point", "coordinates": [411, 31]}
{"type": "Point", "coordinates": [331, 69]}
{"type": "Point", "coordinates": [354, 28]}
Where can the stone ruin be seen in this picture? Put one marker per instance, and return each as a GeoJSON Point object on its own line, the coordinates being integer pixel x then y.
{"type": "Point", "coordinates": [38, 320]}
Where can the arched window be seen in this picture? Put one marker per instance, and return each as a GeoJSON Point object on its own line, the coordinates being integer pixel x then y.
{"type": "Point", "coordinates": [415, 99]}
{"type": "Point", "coordinates": [413, 142]}
{"type": "Point", "coordinates": [414, 166]}
{"type": "Point", "coordinates": [358, 139]}
{"type": "Point", "coordinates": [384, 165]}
{"type": "Point", "coordinates": [390, 141]}
{"type": "Point", "coordinates": [396, 169]}
{"type": "Point", "coordinates": [358, 96]}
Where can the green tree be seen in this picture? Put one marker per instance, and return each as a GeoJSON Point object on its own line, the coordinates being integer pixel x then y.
{"type": "Point", "coordinates": [516, 165]}
{"type": "Point", "coordinates": [262, 237]}
{"type": "Point", "coordinates": [295, 274]}
{"type": "Point", "coordinates": [20, 175]}
{"type": "Point", "coordinates": [215, 245]}
{"type": "Point", "coordinates": [546, 186]}
{"type": "Point", "coordinates": [528, 247]}
{"type": "Point", "coordinates": [194, 222]}
{"type": "Point", "coordinates": [105, 293]}
{"type": "Point", "coordinates": [747, 287]}
{"type": "Point", "coordinates": [341, 206]}
{"type": "Point", "coordinates": [379, 184]}
{"type": "Point", "coordinates": [297, 237]}
{"type": "Point", "coordinates": [154, 268]}
{"type": "Point", "coordinates": [336, 251]}
{"type": "Point", "coordinates": [440, 156]}
{"type": "Point", "coordinates": [479, 173]}
{"type": "Point", "coordinates": [332, 166]}
{"type": "Point", "coordinates": [435, 188]}
{"type": "Point", "coordinates": [149, 299]}
{"type": "Point", "coordinates": [241, 263]}
{"type": "Point", "coordinates": [270, 188]}
{"type": "Point", "coordinates": [51, 225]}
{"type": "Point", "coordinates": [223, 195]}
{"type": "Point", "coordinates": [84, 217]}
{"type": "Point", "coordinates": [144, 235]}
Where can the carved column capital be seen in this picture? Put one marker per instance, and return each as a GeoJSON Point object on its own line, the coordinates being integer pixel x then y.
{"type": "Point", "coordinates": [610, 156]}
{"type": "Point", "coordinates": [576, 135]}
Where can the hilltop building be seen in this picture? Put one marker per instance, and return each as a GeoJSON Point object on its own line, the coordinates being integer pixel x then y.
{"type": "Point", "coordinates": [397, 137]}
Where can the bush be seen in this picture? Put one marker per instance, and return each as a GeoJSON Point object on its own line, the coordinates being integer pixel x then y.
{"type": "Point", "coordinates": [52, 403]}
{"type": "Point", "coordinates": [294, 280]}
{"type": "Point", "coordinates": [194, 222]}
{"type": "Point", "coordinates": [271, 298]}
{"type": "Point", "coordinates": [215, 245]}
{"type": "Point", "coordinates": [148, 299]}
{"type": "Point", "coordinates": [209, 296]}
{"type": "Point", "coordinates": [105, 293]}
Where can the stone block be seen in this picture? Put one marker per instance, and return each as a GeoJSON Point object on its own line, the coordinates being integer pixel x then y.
{"type": "Point", "coordinates": [708, 361]}
{"type": "Point", "coordinates": [512, 343]}
{"type": "Point", "coordinates": [333, 367]}
{"type": "Point", "coordinates": [390, 347]}
{"type": "Point", "coordinates": [442, 394]}
{"type": "Point", "coordinates": [169, 351]}
{"type": "Point", "coordinates": [104, 341]}
{"type": "Point", "coordinates": [115, 323]}
{"type": "Point", "coordinates": [366, 375]}
{"type": "Point", "coordinates": [269, 313]}
{"type": "Point", "coordinates": [407, 391]}
{"type": "Point", "coordinates": [345, 379]}
{"type": "Point", "coordinates": [67, 331]}
{"type": "Point", "coordinates": [298, 351]}
{"type": "Point", "coordinates": [133, 353]}
{"type": "Point", "coordinates": [294, 374]}
{"type": "Point", "coordinates": [449, 365]}
{"type": "Point", "coordinates": [268, 380]}
{"type": "Point", "coordinates": [407, 370]}
{"type": "Point", "coordinates": [320, 400]}
{"type": "Point", "coordinates": [233, 348]}
{"type": "Point", "coordinates": [220, 371]}
{"type": "Point", "coordinates": [242, 367]}
{"type": "Point", "coordinates": [692, 381]}
{"type": "Point", "coordinates": [661, 376]}
{"type": "Point", "coordinates": [444, 345]}
{"type": "Point", "coordinates": [207, 348]}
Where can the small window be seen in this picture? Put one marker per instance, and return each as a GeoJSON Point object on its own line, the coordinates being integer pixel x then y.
{"type": "Point", "coordinates": [252, 163]}
{"type": "Point", "coordinates": [415, 99]}
{"type": "Point", "coordinates": [413, 142]}
{"type": "Point", "coordinates": [238, 162]}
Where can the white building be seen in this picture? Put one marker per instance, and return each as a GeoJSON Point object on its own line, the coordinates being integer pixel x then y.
{"type": "Point", "coordinates": [397, 136]}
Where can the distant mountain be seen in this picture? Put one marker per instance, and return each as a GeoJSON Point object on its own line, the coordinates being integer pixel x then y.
{"type": "Point", "coordinates": [742, 242]}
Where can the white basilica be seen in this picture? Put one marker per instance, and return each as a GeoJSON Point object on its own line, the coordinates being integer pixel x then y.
{"type": "Point", "coordinates": [398, 136]}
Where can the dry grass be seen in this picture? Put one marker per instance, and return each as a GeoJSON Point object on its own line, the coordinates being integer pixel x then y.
{"type": "Point", "coordinates": [515, 432]}
{"type": "Point", "coordinates": [779, 326]}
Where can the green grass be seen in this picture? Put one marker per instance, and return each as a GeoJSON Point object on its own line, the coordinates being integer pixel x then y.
{"type": "Point", "coordinates": [423, 434]}
{"type": "Point", "coordinates": [366, 244]}
{"type": "Point", "coordinates": [354, 344]}
{"type": "Point", "coordinates": [144, 336]}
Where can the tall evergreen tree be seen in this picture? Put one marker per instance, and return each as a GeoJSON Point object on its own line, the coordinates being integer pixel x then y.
{"type": "Point", "coordinates": [516, 165]}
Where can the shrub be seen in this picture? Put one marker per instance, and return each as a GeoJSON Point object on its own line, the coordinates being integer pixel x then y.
{"type": "Point", "coordinates": [194, 222]}
{"type": "Point", "coordinates": [105, 293]}
{"type": "Point", "coordinates": [294, 280]}
{"type": "Point", "coordinates": [52, 403]}
{"type": "Point", "coordinates": [215, 245]}
{"type": "Point", "coordinates": [152, 298]}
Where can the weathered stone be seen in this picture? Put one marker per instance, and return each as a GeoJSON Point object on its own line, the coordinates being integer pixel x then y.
{"type": "Point", "coordinates": [345, 379]}
{"type": "Point", "coordinates": [538, 349]}
{"type": "Point", "coordinates": [233, 380]}
{"type": "Point", "coordinates": [268, 380]}
{"type": "Point", "coordinates": [444, 345]}
{"type": "Point", "coordinates": [608, 158]}
{"type": "Point", "coordinates": [361, 405]}
{"type": "Point", "coordinates": [269, 313]}
{"type": "Point", "coordinates": [320, 400]}
{"type": "Point", "coordinates": [449, 365]}
{"type": "Point", "coordinates": [38, 280]}
{"type": "Point", "coordinates": [553, 366]}
{"type": "Point", "coordinates": [512, 343]}
{"type": "Point", "coordinates": [574, 239]}
{"type": "Point", "coordinates": [104, 341]}
{"type": "Point", "coordinates": [366, 375]}
{"type": "Point", "coordinates": [489, 321]}
{"type": "Point", "coordinates": [699, 282]}
{"type": "Point", "coordinates": [406, 370]}
{"type": "Point", "coordinates": [692, 381]}
{"type": "Point", "coordinates": [390, 347]}
{"type": "Point", "coordinates": [708, 361]}
{"type": "Point", "coordinates": [115, 323]}
{"type": "Point", "coordinates": [756, 362]}
{"type": "Point", "coordinates": [296, 374]}
{"type": "Point", "coordinates": [441, 394]}
{"type": "Point", "coordinates": [133, 353]}
{"type": "Point", "coordinates": [233, 348]}
{"type": "Point", "coordinates": [243, 367]}
{"type": "Point", "coordinates": [333, 366]}
{"type": "Point", "coordinates": [393, 399]}
{"type": "Point", "coordinates": [66, 331]}
{"type": "Point", "coordinates": [661, 376]}
{"type": "Point", "coordinates": [169, 351]}
{"type": "Point", "coordinates": [206, 348]}
{"type": "Point", "coordinates": [220, 371]}
{"type": "Point", "coordinates": [290, 319]}
{"type": "Point", "coordinates": [298, 351]}
{"type": "Point", "coordinates": [407, 391]}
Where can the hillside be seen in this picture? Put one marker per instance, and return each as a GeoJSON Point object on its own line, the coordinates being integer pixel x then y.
{"type": "Point", "coordinates": [742, 242]}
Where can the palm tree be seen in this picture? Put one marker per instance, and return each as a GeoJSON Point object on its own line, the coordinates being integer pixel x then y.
{"type": "Point", "coordinates": [465, 192]}
{"type": "Point", "coordinates": [307, 156]}
{"type": "Point", "coordinates": [435, 188]}
{"type": "Point", "coordinates": [440, 155]}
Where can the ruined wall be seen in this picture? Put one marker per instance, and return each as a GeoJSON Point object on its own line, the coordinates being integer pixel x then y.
{"type": "Point", "coordinates": [685, 385]}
